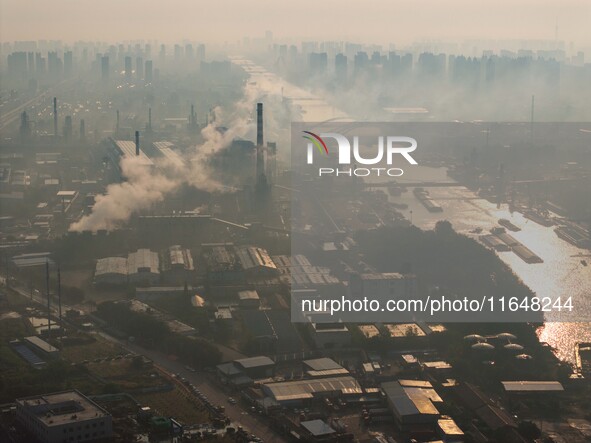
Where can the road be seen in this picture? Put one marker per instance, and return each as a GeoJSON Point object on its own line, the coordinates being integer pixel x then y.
{"type": "Point", "coordinates": [251, 422]}
{"type": "Point", "coordinates": [14, 114]}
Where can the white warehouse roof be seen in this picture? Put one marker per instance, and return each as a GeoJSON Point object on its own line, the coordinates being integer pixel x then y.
{"type": "Point", "coordinates": [143, 260]}
{"type": "Point", "coordinates": [111, 265]}
{"type": "Point", "coordinates": [303, 389]}
{"type": "Point", "coordinates": [252, 257]}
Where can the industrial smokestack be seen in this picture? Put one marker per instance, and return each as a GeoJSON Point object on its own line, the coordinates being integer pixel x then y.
{"type": "Point", "coordinates": [137, 142]}
{"type": "Point", "coordinates": [149, 119]}
{"type": "Point", "coordinates": [55, 116]}
{"type": "Point", "coordinates": [59, 299]}
{"type": "Point", "coordinates": [48, 298]}
{"type": "Point", "coordinates": [260, 124]}
{"type": "Point", "coordinates": [117, 126]}
{"type": "Point", "coordinates": [82, 130]}
{"type": "Point", "coordinates": [260, 149]}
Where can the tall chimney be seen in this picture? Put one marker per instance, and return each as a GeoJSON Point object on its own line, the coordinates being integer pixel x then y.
{"type": "Point", "coordinates": [137, 142]}
{"type": "Point", "coordinates": [59, 299]}
{"type": "Point", "coordinates": [82, 130]}
{"type": "Point", "coordinates": [260, 124]}
{"type": "Point", "coordinates": [55, 116]}
{"type": "Point", "coordinates": [48, 298]}
{"type": "Point", "coordinates": [117, 127]}
{"type": "Point", "coordinates": [260, 149]}
{"type": "Point", "coordinates": [149, 119]}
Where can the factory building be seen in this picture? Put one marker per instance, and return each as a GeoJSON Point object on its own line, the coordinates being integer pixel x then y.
{"type": "Point", "coordinates": [64, 417]}
{"type": "Point", "coordinates": [228, 264]}
{"type": "Point", "coordinates": [256, 262]}
{"type": "Point", "coordinates": [222, 266]}
{"type": "Point", "coordinates": [383, 286]}
{"type": "Point", "coordinates": [490, 414]}
{"type": "Point", "coordinates": [323, 367]}
{"type": "Point", "coordinates": [140, 267]}
{"type": "Point", "coordinates": [121, 149]}
{"type": "Point", "coordinates": [165, 149]}
{"type": "Point", "coordinates": [271, 330]}
{"type": "Point", "coordinates": [177, 265]}
{"type": "Point", "coordinates": [297, 271]}
{"type": "Point", "coordinates": [244, 371]}
{"type": "Point", "coordinates": [326, 332]}
{"type": "Point", "coordinates": [318, 430]}
{"type": "Point", "coordinates": [249, 299]}
{"type": "Point", "coordinates": [143, 267]}
{"type": "Point", "coordinates": [256, 367]}
{"type": "Point", "coordinates": [111, 271]}
{"type": "Point", "coordinates": [413, 403]}
{"type": "Point", "coordinates": [302, 391]}
{"type": "Point", "coordinates": [41, 347]}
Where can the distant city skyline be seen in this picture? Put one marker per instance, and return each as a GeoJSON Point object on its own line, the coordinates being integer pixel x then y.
{"type": "Point", "coordinates": [377, 21]}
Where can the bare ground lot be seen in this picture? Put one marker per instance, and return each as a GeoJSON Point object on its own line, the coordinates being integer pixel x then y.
{"type": "Point", "coordinates": [175, 404]}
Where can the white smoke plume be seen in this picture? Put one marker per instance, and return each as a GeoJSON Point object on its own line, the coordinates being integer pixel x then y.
{"type": "Point", "coordinates": [200, 174]}
{"type": "Point", "coordinates": [143, 188]}
{"type": "Point", "coordinates": [146, 186]}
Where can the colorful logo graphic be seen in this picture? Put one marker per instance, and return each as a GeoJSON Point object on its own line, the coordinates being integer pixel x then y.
{"type": "Point", "coordinates": [318, 142]}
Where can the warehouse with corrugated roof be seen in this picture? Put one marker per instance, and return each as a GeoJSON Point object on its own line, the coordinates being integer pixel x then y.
{"type": "Point", "coordinates": [298, 391]}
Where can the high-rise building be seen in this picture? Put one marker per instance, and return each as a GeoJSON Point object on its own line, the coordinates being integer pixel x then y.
{"type": "Point", "coordinates": [139, 68]}
{"type": "Point", "coordinates": [54, 65]}
{"type": "Point", "coordinates": [318, 62]}
{"type": "Point", "coordinates": [189, 54]}
{"type": "Point", "coordinates": [162, 54]}
{"type": "Point", "coordinates": [201, 52]}
{"type": "Point", "coordinates": [127, 67]}
{"type": "Point", "coordinates": [360, 61]}
{"type": "Point", "coordinates": [17, 64]}
{"type": "Point", "coordinates": [39, 64]}
{"type": "Point", "coordinates": [30, 62]}
{"type": "Point", "coordinates": [105, 67]}
{"type": "Point", "coordinates": [148, 71]}
{"type": "Point", "coordinates": [68, 63]}
{"type": "Point", "coordinates": [340, 67]}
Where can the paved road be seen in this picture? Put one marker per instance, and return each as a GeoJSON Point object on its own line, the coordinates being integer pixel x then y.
{"type": "Point", "coordinates": [252, 422]}
{"type": "Point", "coordinates": [13, 115]}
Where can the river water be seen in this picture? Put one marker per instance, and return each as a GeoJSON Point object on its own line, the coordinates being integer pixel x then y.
{"type": "Point", "coordinates": [561, 274]}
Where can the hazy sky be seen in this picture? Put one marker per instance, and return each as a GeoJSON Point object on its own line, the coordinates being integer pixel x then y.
{"type": "Point", "coordinates": [380, 21]}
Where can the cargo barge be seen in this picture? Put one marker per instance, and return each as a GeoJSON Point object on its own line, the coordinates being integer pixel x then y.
{"type": "Point", "coordinates": [423, 197]}
{"type": "Point", "coordinates": [574, 235]}
{"type": "Point", "coordinates": [494, 242]}
{"type": "Point", "coordinates": [523, 252]}
{"type": "Point", "coordinates": [507, 224]}
{"type": "Point", "coordinates": [538, 218]}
